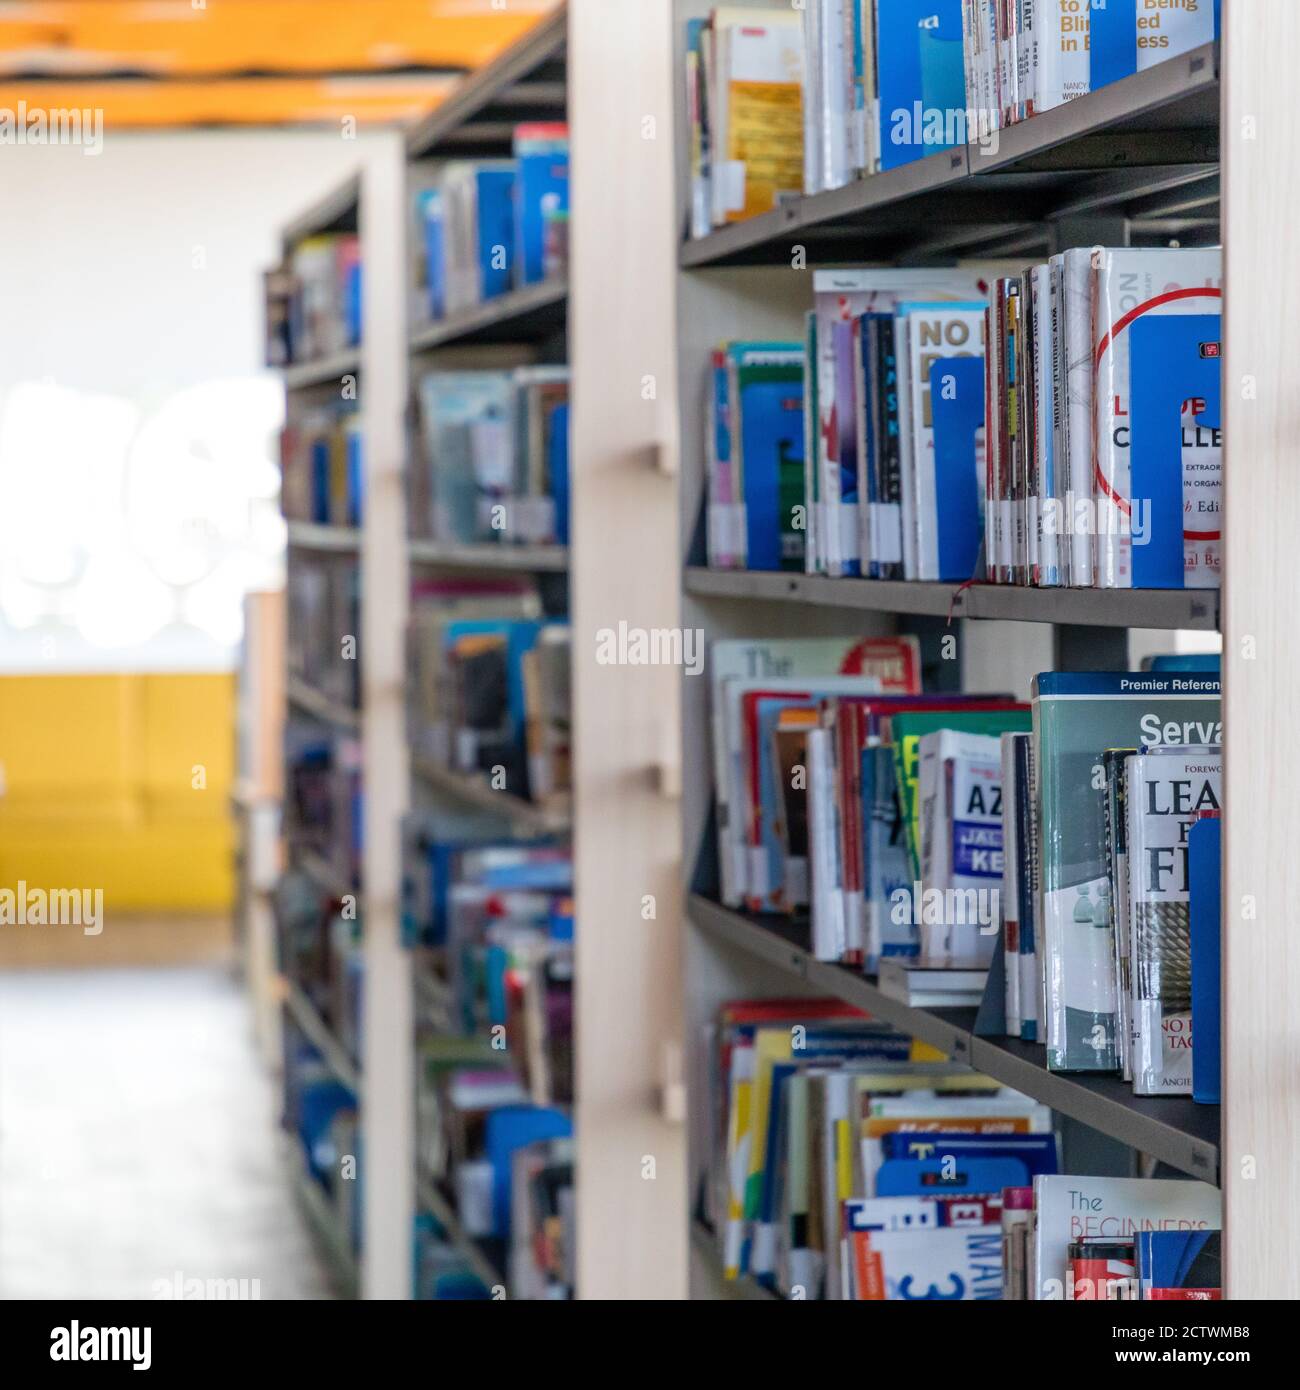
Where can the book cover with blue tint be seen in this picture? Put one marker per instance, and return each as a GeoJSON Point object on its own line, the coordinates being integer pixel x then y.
{"type": "Point", "coordinates": [1128, 36]}
{"type": "Point", "coordinates": [771, 443]}
{"type": "Point", "coordinates": [921, 76]}
{"type": "Point", "coordinates": [542, 190]}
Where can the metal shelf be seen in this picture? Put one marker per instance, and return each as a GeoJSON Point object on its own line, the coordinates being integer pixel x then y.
{"type": "Point", "coordinates": [1121, 148]}
{"type": "Point", "coordinates": [323, 371]}
{"type": "Point", "coordinates": [302, 697]}
{"type": "Point", "coordinates": [526, 83]}
{"type": "Point", "coordinates": [524, 315]}
{"type": "Point", "coordinates": [317, 1032]}
{"type": "Point", "coordinates": [1170, 609]}
{"type": "Point", "coordinates": [325, 1222]}
{"type": "Point", "coordinates": [475, 791]}
{"type": "Point", "coordinates": [313, 535]}
{"type": "Point", "coordinates": [532, 559]}
{"type": "Point", "coordinates": [323, 873]}
{"type": "Point", "coordinates": [1178, 1132]}
{"type": "Point", "coordinates": [428, 1196]}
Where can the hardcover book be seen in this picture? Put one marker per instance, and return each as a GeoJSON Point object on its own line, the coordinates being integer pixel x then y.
{"type": "Point", "coordinates": [1167, 789]}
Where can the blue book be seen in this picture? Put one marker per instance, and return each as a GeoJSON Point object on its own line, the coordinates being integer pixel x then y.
{"type": "Point", "coordinates": [320, 480]}
{"type": "Point", "coordinates": [495, 207]}
{"type": "Point", "coordinates": [557, 465]}
{"type": "Point", "coordinates": [510, 1128]}
{"type": "Point", "coordinates": [770, 409]}
{"type": "Point", "coordinates": [431, 221]}
{"type": "Point", "coordinates": [921, 75]}
{"type": "Point", "coordinates": [957, 410]}
{"type": "Point", "coordinates": [356, 482]}
{"type": "Point", "coordinates": [1179, 1264]}
{"type": "Point", "coordinates": [931, 1177]}
{"type": "Point", "coordinates": [1037, 1153]}
{"type": "Point", "coordinates": [541, 193]}
{"type": "Point", "coordinates": [886, 866]}
{"type": "Point", "coordinates": [1204, 867]}
{"type": "Point", "coordinates": [1207, 662]}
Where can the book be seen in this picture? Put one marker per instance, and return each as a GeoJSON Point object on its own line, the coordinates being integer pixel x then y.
{"type": "Point", "coordinates": [1076, 717]}
{"type": "Point", "coordinates": [1114, 765]}
{"type": "Point", "coordinates": [1157, 437]}
{"type": "Point", "coordinates": [962, 1263]}
{"type": "Point", "coordinates": [541, 155]}
{"type": "Point", "coordinates": [1069, 1209]}
{"type": "Point", "coordinates": [1167, 788]}
{"type": "Point", "coordinates": [1124, 39]}
{"type": "Point", "coordinates": [921, 78]}
{"type": "Point", "coordinates": [925, 985]}
{"type": "Point", "coordinates": [1173, 1265]}
{"type": "Point", "coordinates": [1204, 858]}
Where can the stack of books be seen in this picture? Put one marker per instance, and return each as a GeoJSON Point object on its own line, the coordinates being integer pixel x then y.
{"type": "Point", "coordinates": [313, 301]}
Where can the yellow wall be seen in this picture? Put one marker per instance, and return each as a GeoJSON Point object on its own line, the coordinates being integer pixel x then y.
{"type": "Point", "coordinates": [98, 787]}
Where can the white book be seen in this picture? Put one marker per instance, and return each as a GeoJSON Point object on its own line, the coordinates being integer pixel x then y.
{"type": "Point", "coordinates": [1167, 788]}
{"type": "Point", "coordinates": [1064, 67]}
{"type": "Point", "coordinates": [812, 83]}
{"type": "Point", "coordinates": [960, 797]}
{"type": "Point", "coordinates": [1048, 538]}
{"type": "Point", "coordinates": [1076, 276]}
{"type": "Point", "coordinates": [1027, 76]}
{"type": "Point", "coordinates": [831, 109]}
{"type": "Point", "coordinates": [1072, 1208]}
{"type": "Point", "coordinates": [1130, 286]}
{"type": "Point", "coordinates": [829, 929]}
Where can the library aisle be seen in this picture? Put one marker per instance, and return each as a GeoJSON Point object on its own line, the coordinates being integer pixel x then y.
{"type": "Point", "coordinates": [645, 656]}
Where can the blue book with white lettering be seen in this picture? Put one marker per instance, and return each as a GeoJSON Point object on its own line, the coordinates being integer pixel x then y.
{"type": "Point", "coordinates": [921, 75]}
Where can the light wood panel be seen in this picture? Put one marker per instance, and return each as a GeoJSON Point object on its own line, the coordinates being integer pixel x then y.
{"type": "Point", "coordinates": [631, 1218]}
{"type": "Point", "coordinates": [388, 1063]}
{"type": "Point", "coordinates": [1261, 133]}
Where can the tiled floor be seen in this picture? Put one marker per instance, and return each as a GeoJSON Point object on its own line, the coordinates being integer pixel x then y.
{"type": "Point", "coordinates": [138, 1139]}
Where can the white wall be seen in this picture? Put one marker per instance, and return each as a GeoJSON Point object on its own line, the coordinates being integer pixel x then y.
{"type": "Point", "coordinates": [137, 452]}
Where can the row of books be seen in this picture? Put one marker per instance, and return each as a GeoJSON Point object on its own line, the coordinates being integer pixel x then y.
{"type": "Point", "coordinates": [313, 301]}
{"type": "Point", "coordinates": [919, 830]}
{"type": "Point", "coordinates": [323, 796]}
{"type": "Point", "coordinates": [488, 687]}
{"type": "Point", "coordinates": [781, 102]}
{"type": "Point", "coordinates": [842, 1160]}
{"type": "Point", "coordinates": [321, 476]}
{"type": "Point", "coordinates": [493, 466]}
{"type": "Point", "coordinates": [1059, 427]}
{"type": "Point", "coordinates": [323, 599]}
{"type": "Point", "coordinates": [495, 1069]}
{"type": "Point", "coordinates": [490, 226]}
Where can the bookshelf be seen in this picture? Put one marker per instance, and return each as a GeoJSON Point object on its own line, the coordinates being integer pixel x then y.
{"type": "Point", "coordinates": [1137, 162]}
{"type": "Point", "coordinates": [524, 326]}
{"type": "Point", "coordinates": [369, 203]}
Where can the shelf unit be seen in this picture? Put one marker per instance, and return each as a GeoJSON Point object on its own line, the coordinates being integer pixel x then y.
{"type": "Point", "coordinates": [370, 203]}
{"type": "Point", "coordinates": [525, 326]}
{"type": "Point", "coordinates": [1135, 162]}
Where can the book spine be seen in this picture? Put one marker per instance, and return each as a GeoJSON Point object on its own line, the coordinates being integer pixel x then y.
{"type": "Point", "coordinates": [891, 461]}
{"type": "Point", "coordinates": [1031, 973]}
{"type": "Point", "coordinates": [1011, 870]}
{"type": "Point", "coordinates": [1077, 416]}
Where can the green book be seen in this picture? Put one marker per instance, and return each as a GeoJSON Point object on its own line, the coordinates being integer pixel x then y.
{"type": "Point", "coordinates": [1077, 717]}
{"type": "Point", "coordinates": [906, 731]}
